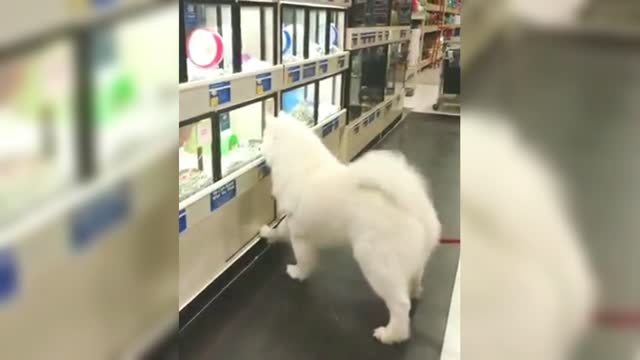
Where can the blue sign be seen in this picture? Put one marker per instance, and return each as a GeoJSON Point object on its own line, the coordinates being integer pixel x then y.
{"type": "Point", "coordinates": [94, 219]}
{"type": "Point", "coordinates": [104, 4]}
{"type": "Point", "coordinates": [219, 93]}
{"type": "Point", "coordinates": [330, 127]}
{"type": "Point", "coordinates": [294, 74]}
{"type": "Point", "coordinates": [324, 66]}
{"type": "Point", "coordinates": [182, 220]}
{"type": "Point", "coordinates": [191, 18]}
{"type": "Point", "coordinates": [223, 195]}
{"type": "Point", "coordinates": [309, 70]}
{"type": "Point", "coordinates": [341, 61]}
{"type": "Point", "coordinates": [9, 277]}
{"type": "Point", "coordinates": [263, 83]}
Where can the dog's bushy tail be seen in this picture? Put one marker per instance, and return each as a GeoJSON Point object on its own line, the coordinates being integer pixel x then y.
{"type": "Point", "coordinates": [390, 173]}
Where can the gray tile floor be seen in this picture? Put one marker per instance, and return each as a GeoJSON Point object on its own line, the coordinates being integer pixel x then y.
{"type": "Point", "coordinates": [265, 315]}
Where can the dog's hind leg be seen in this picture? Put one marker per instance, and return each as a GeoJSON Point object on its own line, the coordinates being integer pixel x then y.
{"type": "Point", "coordinates": [416, 284]}
{"type": "Point", "coordinates": [306, 259]}
{"type": "Point", "coordinates": [391, 285]}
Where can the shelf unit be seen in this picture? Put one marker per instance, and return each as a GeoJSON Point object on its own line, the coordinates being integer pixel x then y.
{"type": "Point", "coordinates": [430, 35]}
{"type": "Point", "coordinates": [237, 200]}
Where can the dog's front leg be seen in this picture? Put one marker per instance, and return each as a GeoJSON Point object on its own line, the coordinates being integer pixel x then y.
{"type": "Point", "coordinates": [306, 259]}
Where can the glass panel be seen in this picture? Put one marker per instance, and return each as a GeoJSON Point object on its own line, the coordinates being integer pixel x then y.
{"type": "Point", "coordinates": [36, 126]}
{"type": "Point", "coordinates": [401, 12]}
{"type": "Point", "coordinates": [241, 134]}
{"type": "Point", "coordinates": [329, 97]}
{"type": "Point", "coordinates": [367, 86]}
{"type": "Point", "coordinates": [318, 35]}
{"type": "Point", "coordinates": [336, 31]}
{"type": "Point", "coordinates": [292, 34]}
{"type": "Point", "coordinates": [257, 52]}
{"type": "Point", "coordinates": [392, 64]}
{"type": "Point", "coordinates": [208, 40]}
{"type": "Point", "coordinates": [195, 158]}
{"type": "Point", "coordinates": [364, 13]}
{"type": "Point", "coordinates": [299, 103]}
{"type": "Point", "coordinates": [132, 92]}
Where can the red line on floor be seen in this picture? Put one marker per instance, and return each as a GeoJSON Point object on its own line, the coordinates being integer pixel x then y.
{"type": "Point", "coordinates": [450, 241]}
{"type": "Point", "coordinates": [619, 319]}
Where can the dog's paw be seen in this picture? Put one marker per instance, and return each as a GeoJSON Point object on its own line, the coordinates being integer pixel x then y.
{"type": "Point", "coordinates": [295, 273]}
{"type": "Point", "coordinates": [266, 232]}
{"type": "Point", "coordinates": [388, 336]}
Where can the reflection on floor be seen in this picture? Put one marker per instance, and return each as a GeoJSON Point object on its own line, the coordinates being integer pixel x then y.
{"type": "Point", "coordinates": [426, 91]}
{"type": "Point", "coordinates": [265, 315]}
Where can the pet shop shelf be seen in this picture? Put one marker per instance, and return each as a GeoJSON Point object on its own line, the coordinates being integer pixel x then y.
{"type": "Point", "coordinates": [358, 38]}
{"type": "Point", "coordinates": [302, 72]}
{"type": "Point", "coordinates": [201, 97]}
{"type": "Point", "coordinates": [213, 43]}
{"type": "Point", "coordinates": [308, 32]}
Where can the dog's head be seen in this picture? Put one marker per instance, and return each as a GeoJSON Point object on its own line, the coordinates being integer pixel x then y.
{"type": "Point", "coordinates": [281, 136]}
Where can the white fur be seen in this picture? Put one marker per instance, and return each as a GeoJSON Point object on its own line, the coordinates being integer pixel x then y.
{"type": "Point", "coordinates": [378, 205]}
{"type": "Point", "coordinates": [527, 290]}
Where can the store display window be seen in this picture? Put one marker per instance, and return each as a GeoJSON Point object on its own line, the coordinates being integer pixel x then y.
{"type": "Point", "coordinates": [299, 102]}
{"type": "Point", "coordinates": [330, 97]}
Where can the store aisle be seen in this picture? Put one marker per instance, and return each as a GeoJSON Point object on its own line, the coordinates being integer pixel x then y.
{"type": "Point", "coordinates": [266, 315]}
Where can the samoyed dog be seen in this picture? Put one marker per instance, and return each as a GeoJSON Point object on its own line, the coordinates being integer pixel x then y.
{"type": "Point", "coordinates": [378, 205]}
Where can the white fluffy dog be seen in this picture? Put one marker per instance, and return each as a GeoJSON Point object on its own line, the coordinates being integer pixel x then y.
{"type": "Point", "coordinates": [528, 289]}
{"type": "Point", "coordinates": [378, 205]}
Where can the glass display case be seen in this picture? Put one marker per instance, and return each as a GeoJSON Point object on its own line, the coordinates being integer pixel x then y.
{"type": "Point", "coordinates": [258, 36]}
{"type": "Point", "coordinates": [396, 67]}
{"type": "Point", "coordinates": [318, 40]}
{"type": "Point", "coordinates": [336, 31]}
{"type": "Point", "coordinates": [367, 87]}
{"type": "Point", "coordinates": [330, 96]}
{"type": "Point", "coordinates": [308, 33]}
{"type": "Point", "coordinates": [208, 39]}
{"type": "Point", "coordinates": [400, 12]}
{"type": "Point", "coordinates": [369, 13]}
{"type": "Point", "coordinates": [37, 125]}
{"type": "Point", "coordinates": [131, 90]}
{"type": "Point", "coordinates": [293, 33]}
{"type": "Point", "coordinates": [299, 102]}
{"type": "Point", "coordinates": [224, 38]}
{"type": "Point", "coordinates": [195, 157]}
{"type": "Point", "coordinates": [241, 134]}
